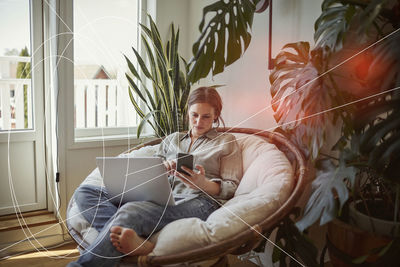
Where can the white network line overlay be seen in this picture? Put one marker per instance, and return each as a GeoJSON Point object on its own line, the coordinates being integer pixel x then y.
{"type": "Point", "coordinates": [15, 203]}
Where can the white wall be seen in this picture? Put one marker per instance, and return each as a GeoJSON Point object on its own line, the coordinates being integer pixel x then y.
{"type": "Point", "coordinates": [246, 95]}
{"type": "Point", "coordinates": [176, 11]}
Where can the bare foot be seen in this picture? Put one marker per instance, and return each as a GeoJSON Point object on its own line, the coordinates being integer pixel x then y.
{"type": "Point", "coordinates": [126, 241]}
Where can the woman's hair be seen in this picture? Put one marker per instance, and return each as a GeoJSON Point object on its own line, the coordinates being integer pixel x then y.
{"type": "Point", "coordinates": [210, 96]}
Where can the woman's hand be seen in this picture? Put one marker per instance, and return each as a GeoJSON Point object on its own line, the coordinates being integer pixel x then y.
{"type": "Point", "coordinates": [170, 165]}
{"type": "Point", "coordinates": [198, 180]}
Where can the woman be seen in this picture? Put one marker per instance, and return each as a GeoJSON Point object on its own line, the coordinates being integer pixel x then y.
{"type": "Point", "coordinates": [218, 169]}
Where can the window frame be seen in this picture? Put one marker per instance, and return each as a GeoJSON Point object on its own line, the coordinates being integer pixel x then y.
{"type": "Point", "coordinates": [110, 136]}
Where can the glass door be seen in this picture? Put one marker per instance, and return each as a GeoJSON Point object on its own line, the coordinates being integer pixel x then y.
{"type": "Point", "coordinates": [22, 164]}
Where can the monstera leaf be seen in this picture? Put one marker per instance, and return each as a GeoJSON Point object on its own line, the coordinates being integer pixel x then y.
{"type": "Point", "coordinates": [225, 37]}
{"type": "Point", "coordinates": [386, 63]}
{"type": "Point", "coordinates": [299, 95]}
{"type": "Point", "coordinates": [333, 24]}
{"type": "Point", "coordinates": [380, 137]}
{"type": "Point", "coordinates": [290, 239]}
{"type": "Point", "coordinates": [378, 121]}
{"type": "Point", "coordinates": [329, 184]}
{"type": "Point", "coordinates": [373, 13]}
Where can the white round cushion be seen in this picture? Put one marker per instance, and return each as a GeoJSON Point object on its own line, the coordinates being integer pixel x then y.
{"type": "Point", "coordinates": [267, 183]}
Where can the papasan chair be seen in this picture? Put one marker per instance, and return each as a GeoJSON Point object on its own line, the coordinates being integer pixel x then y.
{"type": "Point", "coordinates": [274, 177]}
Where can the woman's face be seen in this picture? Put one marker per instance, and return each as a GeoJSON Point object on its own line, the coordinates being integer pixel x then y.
{"type": "Point", "coordinates": [201, 118]}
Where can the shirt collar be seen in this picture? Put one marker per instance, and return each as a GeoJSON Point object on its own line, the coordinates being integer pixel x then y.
{"type": "Point", "coordinates": [211, 134]}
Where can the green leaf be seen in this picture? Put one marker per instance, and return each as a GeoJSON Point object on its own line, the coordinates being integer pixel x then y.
{"type": "Point", "coordinates": [277, 253]}
{"type": "Point", "coordinates": [292, 242]}
{"type": "Point", "coordinates": [135, 88]}
{"type": "Point", "coordinates": [146, 119]}
{"type": "Point", "coordinates": [373, 136]}
{"type": "Point", "coordinates": [153, 64]}
{"type": "Point", "coordinates": [212, 52]}
{"type": "Point", "coordinates": [141, 63]}
{"type": "Point", "coordinates": [165, 105]}
{"type": "Point", "coordinates": [298, 92]}
{"type": "Point", "coordinates": [132, 68]}
{"type": "Point", "coordinates": [387, 60]}
{"type": "Point", "coordinates": [135, 105]}
{"type": "Point", "coordinates": [333, 24]}
{"type": "Point", "coordinates": [370, 15]}
{"type": "Point", "coordinates": [322, 204]}
{"type": "Point", "coordinates": [378, 123]}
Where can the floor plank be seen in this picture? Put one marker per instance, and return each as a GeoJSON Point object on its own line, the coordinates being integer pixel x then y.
{"type": "Point", "coordinates": [63, 255]}
{"type": "Point", "coordinates": [55, 257]}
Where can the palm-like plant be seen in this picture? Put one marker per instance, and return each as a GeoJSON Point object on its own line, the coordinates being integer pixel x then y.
{"type": "Point", "coordinates": [164, 107]}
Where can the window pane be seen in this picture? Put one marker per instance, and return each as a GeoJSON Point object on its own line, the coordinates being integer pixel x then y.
{"type": "Point", "coordinates": [15, 66]}
{"type": "Point", "coordinates": [104, 30]}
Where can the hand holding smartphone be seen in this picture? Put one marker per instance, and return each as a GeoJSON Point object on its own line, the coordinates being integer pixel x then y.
{"type": "Point", "coordinates": [183, 159]}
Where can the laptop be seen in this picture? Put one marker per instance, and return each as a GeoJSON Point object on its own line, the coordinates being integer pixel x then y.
{"type": "Point", "coordinates": [136, 179]}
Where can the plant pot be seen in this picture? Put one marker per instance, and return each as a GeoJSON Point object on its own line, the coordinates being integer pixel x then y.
{"type": "Point", "coordinates": [346, 242]}
{"type": "Point", "coordinates": [371, 224]}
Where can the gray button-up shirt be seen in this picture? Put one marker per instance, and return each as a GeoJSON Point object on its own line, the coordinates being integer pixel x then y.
{"type": "Point", "coordinates": [218, 153]}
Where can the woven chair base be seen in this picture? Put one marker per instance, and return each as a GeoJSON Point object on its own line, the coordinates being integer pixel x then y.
{"type": "Point", "coordinates": [246, 240]}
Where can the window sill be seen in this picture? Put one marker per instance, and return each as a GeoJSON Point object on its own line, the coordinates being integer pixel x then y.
{"type": "Point", "coordinates": [110, 140]}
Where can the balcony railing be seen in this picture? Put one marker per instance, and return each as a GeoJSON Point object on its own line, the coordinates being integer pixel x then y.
{"type": "Point", "coordinates": [15, 95]}
{"type": "Point", "coordinates": [99, 103]}
{"type": "Point", "coordinates": [15, 113]}
{"type": "Point", "coordinates": [102, 103]}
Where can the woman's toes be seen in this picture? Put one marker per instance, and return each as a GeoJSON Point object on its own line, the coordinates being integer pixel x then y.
{"type": "Point", "coordinates": [114, 236]}
{"type": "Point", "coordinates": [116, 230]}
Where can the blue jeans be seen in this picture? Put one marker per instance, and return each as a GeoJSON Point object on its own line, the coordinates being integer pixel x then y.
{"type": "Point", "coordinates": [144, 217]}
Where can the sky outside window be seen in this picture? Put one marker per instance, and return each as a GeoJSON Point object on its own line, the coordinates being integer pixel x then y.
{"type": "Point", "coordinates": [14, 26]}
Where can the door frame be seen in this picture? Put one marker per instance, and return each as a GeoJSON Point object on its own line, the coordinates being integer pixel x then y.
{"type": "Point", "coordinates": [35, 135]}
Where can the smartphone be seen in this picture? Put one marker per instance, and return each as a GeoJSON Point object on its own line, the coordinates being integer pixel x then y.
{"type": "Point", "coordinates": [183, 159]}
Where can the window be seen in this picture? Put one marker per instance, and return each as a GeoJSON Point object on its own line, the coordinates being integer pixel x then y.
{"type": "Point", "coordinates": [104, 30]}
{"type": "Point", "coordinates": [15, 66]}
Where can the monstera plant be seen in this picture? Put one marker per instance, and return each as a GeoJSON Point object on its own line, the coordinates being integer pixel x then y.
{"type": "Point", "coordinates": [346, 90]}
{"type": "Point", "coordinates": [164, 106]}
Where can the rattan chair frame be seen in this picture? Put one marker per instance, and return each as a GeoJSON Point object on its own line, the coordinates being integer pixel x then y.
{"type": "Point", "coordinates": [250, 238]}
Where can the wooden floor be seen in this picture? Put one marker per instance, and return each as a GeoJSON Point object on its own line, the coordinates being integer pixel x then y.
{"type": "Point", "coordinates": [54, 257]}
{"type": "Point", "coordinates": [61, 256]}
{"type": "Point", "coordinates": [26, 220]}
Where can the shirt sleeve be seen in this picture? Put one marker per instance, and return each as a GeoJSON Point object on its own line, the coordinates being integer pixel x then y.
{"type": "Point", "coordinates": [230, 170]}
{"type": "Point", "coordinates": [161, 150]}
{"type": "Point", "coordinates": [164, 147]}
